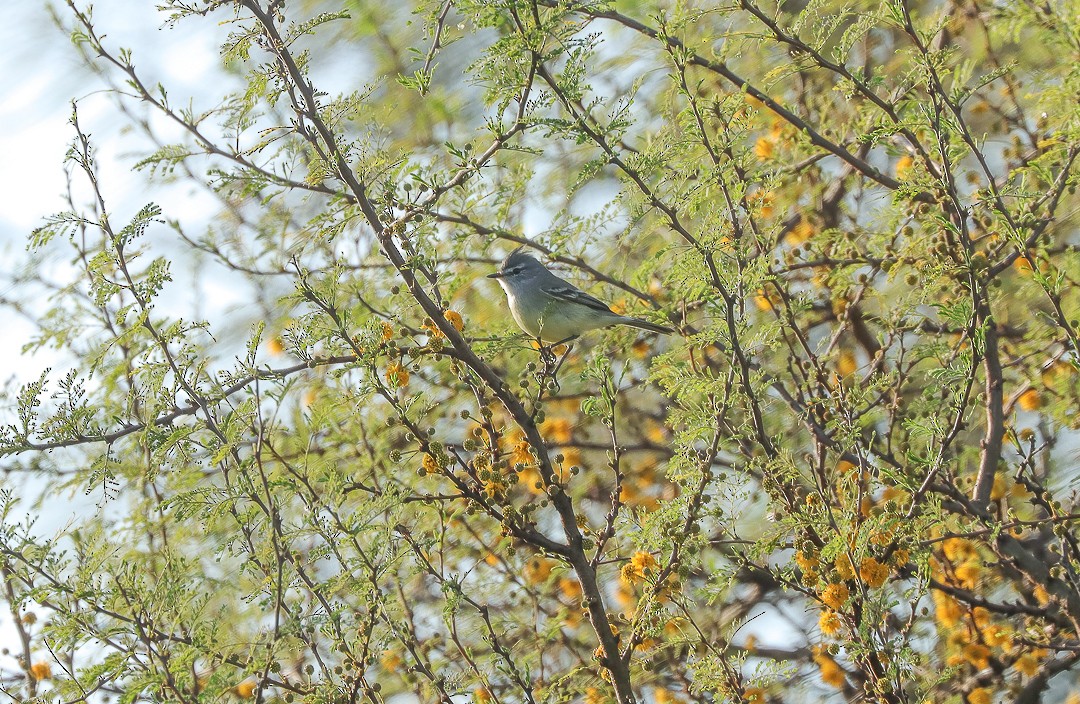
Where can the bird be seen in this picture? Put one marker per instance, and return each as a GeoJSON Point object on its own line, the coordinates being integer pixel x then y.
{"type": "Point", "coordinates": [552, 310]}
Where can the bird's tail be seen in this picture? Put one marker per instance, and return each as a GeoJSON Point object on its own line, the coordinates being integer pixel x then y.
{"type": "Point", "coordinates": [646, 325]}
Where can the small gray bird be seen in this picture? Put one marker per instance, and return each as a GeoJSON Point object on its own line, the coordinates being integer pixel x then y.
{"type": "Point", "coordinates": [552, 310]}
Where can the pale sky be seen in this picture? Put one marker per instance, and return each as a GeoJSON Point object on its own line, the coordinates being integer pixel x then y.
{"type": "Point", "coordinates": [40, 74]}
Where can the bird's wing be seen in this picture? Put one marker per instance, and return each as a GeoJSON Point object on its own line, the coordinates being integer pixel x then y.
{"type": "Point", "coordinates": [571, 294]}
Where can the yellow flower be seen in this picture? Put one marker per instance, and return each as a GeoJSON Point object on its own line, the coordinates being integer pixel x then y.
{"type": "Point", "coordinates": [387, 332]}
{"type": "Point", "coordinates": [946, 609]}
{"type": "Point", "coordinates": [829, 623]}
{"type": "Point", "coordinates": [844, 566]}
{"type": "Point", "coordinates": [481, 695]}
{"type": "Point", "coordinates": [846, 365]}
{"type": "Point", "coordinates": [531, 479]}
{"type": "Point", "coordinates": [538, 569]}
{"type": "Point", "coordinates": [665, 696]}
{"type": "Point", "coordinates": [557, 430]}
{"type": "Point", "coordinates": [673, 628]}
{"type": "Point", "coordinates": [640, 564]}
{"type": "Point", "coordinates": [275, 345]}
{"type": "Point", "coordinates": [390, 660]}
{"type": "Point", "coordinates": [397, 375]}
{"type": "Point", "coordinates": [1030, 400]}
{"type": "Point", "coordinates": [570, 588]}
{"type": "Point", "coordinates": [593, 695]}
{"type": "Point", "coordinates": [979, 695]}
{"type": "Point", "coordinates": [763, 148]}
{"type": "Point", "coordinates": [802, 231]}
{"type": "Point", "coordinates": [903, 166]}
{"type": "Point", "coordinates": [1019, 491]}
{"type": "Point", "coordinates": [1000, 488]}
{"type": "Point", "coordinates": [767, 300]}
{"type": "Point", "coordinates": [843, 466]}
{"type": "Point", "coordinates": [432, 329]}
{"type": "Point", "coordinates": [831, 672]}
{"type": "Point", "coordinates": [807, 563]}
{"type": "Point", "coordinates": [455, 319]}
{"type": "Point", "coordinates": [764, 200]}
{"type": "Point", "coordinates": [967, 574]}
{"type": "Point", "coordinates": [977, 654]}
{"type": "Point", "coordinates": [1023, 266]}
{"type": "Point", "coordinates": [430, 464]}
{"type": "Point", "coordinates": [244, 690]}
{"type": "Point", "coordinates": [997, 636]}
{"type": "Point", "coordinates": [1027, 664]}
{"type": "Point", "coordinates": [900, 557]}
{"type": "Point", "coordinates": [835, 596]}
{"type": "Point", "coordinates": [753, 101]}
{"type": "Point", "coordinates": [1041, 595]}
{"type": "Point", "coordinates": [41, 670]}
{"type": "Point", "coordinates": [1056, 374]}
{"type": "Point", "coordinates": [656, 432]}
{"type": "Point", "coordinates": [873, 573]}
{"type": "Point", "coordinates": [493, 487]}
{"type": "Point", "coordinates": [754, 695]}
{"type": "Point", "coordinates": [958, 548]}
{"type": "Point", "coordinates": [521, 454]}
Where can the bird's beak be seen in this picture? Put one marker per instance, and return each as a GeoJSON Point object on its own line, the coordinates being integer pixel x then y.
{"type": "Point", "coordinates": [496, 275]}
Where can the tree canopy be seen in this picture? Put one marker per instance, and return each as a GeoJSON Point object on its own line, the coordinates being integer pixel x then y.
{"type": "Point", "coordinates": [849, 476]}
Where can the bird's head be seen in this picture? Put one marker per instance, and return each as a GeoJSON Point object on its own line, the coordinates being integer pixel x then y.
{"type": "Point", "coordinates": [518, 265]}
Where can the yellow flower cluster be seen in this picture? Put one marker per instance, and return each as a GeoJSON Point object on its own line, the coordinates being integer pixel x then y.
{"type": "Point", "coordinates": [666, 696]}
{"type": "Point", "coordinates": [965, 574]}
{"type": "Point", "coordinates": [430, 464]}
{"type": "Point", "coordinates": [455, 319]}
{"type": "Point", "coordinates": [873, 573]}
{"type": "Point", "coordinates": [801, 232]}
{"type": "Point", "coordinates": [972, 638]}
{"type": "Point", "coordinates": [764, 201]}
{"type": "Point", "coordinates": [835, 596]}
{"type": "Point", "coordinates": [397, 375]}
{"type": "Point", "coordinates": [41, 670]}
{"type": "Point", "coordinates": [903, 166]}
{"type": "Point", "coordinates": [831, 672]}
{"type": "Point", "coordinates": [570, 588]}
{"type": "Point", "coordinates": [538, 569]}
{"type": "Point", "coordinates": [245, 690]}
{"type": "Point", "coordinates": [767, 299]}
{"type": "Point", "coordinates": [641, 564]}
{"type": "Point", "coordinates": [809, 565]}
{"type": "Point", "coordinates": [829, 622]}
{"type": "Point", "coordinates": [390, 660]}
{"type": "Point", "coordinates": [593, 695]}
{"type": "Point", "coordinates": [521, 453]}
{"type": "Point", "coordinates": [843, 566]}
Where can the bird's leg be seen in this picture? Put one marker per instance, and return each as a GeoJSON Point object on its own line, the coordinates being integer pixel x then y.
{"type": "Point", "coordinates": [547, 355]}
{"type": "Point", "coordinates": [555, 372]}
{"type": "Point", "coordinates": [553, 365]}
